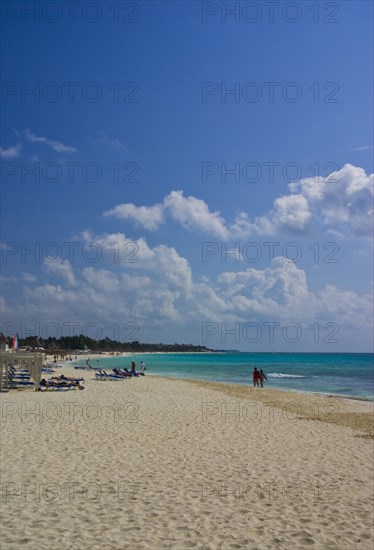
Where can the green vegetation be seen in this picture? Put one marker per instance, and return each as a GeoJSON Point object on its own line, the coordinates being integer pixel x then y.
{"type": "Point", "coordinates": [81, 342]}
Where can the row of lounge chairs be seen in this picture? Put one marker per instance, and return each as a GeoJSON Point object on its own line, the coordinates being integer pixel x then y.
{"type": "Point", "coordinates": [102, 375]}
{"type": "Point", "coordinates": [19, 378]}
{"type": "Point", "coordinates": [116, 375]}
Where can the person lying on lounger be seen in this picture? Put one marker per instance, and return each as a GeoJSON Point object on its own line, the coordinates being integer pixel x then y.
{"type": "Point", "coordinates": [121, 373]}
{"type": "Point", "coordinates": [67, 378]}
{"type": "Point", "coordinates": [127, 372]}
{"type": "Point", "coordinates": [104, 373]}
{"type": "Point", "coordinates": [60, 384]}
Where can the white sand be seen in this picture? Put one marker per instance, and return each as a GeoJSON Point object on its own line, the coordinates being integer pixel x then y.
{"type": "Point", "coordinates": [153, 463]}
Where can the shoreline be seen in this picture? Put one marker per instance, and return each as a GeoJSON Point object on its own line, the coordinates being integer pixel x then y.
{"type": "Point", "coordinates": [71, 365]}
{"type": "Point", "coordinates": [130, 354]}
{"type": "Point", "coordinates": [284, 390]}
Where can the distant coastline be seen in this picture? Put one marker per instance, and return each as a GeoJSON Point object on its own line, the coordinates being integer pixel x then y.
{"type": "Point", "coordinates": [84, 345]}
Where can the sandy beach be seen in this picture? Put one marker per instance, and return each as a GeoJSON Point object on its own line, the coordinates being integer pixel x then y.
{"type": "Point", "coordinates": [155, 463]}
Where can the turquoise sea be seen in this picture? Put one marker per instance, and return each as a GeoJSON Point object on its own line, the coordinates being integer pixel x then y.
{"type": "Point", "coordinates": [349, 374]}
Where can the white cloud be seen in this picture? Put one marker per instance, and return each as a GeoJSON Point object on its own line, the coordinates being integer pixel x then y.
{"type": "Point", "coordinates": [29, 278]}
{"type": "Point", "coordinates": [341, 202]}
{"type": "Point", "coordinates": [11, 152]}
{"type": "Point", "coordinates": [55, 145]}
{"type": "Point", "coordinates": [162, 262]}
{"type": "Point", "coordinates": [155, 287]}
{"type": "Point", "coordinates": [61, 268]}
{"type": "Point", "coordinates": [149, 217]}
{"type": "Point", "coordinates": [281, 291]}
{"type": "Point", "coordinates": [159, 291]}
{"type": "Point", "coordinates": [194, 214]}
{"type": "Point", "coordinates": [154, 290]}
{"type": "Point", "coordinates": [243, 227]}
{"type": "Point", "coordinates": [291, 212]}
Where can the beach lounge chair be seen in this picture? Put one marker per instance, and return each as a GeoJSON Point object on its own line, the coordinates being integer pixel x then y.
{"type": "Point", "coordinates": [55, 388]}
{"type": "Point", "coordinates": [102, 375]}
{"type": "Point", "coordinates": [63, 378]}
{"type": "Point", "coordinates": [19, 378]}
{"type": "Point", "coordinates": [19, 375]}
{"type": "Point", "coordinates": [65, 384]}
{"type": "Point", "coordinates": [18, 371]}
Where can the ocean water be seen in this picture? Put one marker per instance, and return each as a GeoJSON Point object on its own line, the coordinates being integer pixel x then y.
{"type": "Point", "coordinates": [349, 374]}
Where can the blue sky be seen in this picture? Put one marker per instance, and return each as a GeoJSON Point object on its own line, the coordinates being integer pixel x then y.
{"type": "Point", "coordinates": [136, 123]}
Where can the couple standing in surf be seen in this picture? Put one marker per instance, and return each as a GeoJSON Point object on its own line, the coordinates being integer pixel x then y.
{"type": "Point", "coordinates": [258, 377]}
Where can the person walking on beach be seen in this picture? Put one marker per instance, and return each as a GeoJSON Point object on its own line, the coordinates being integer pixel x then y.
{"type": "Point", "coordinates": [142, 367]}
{"type": "Point", "coordinates": [262, 376]}
{"type": "Point", "coordinates": [256, 376]}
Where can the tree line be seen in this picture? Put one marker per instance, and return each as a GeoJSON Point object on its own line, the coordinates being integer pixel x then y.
{"type": "Point", "coordinates": [82, 343]}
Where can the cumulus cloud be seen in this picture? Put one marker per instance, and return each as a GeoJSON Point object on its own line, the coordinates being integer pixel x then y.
{"type": "Point", "coordinates": [55, 145]}
{"type": "Point", "coordinates": [291, 212]}
{"type": "Point", "coordinates": [61, 268]}
{"type": "Point", "coordinates": [149, 217]}
{"type": "Point", "coordinates": [161, 262]}
{"type": "Point", "coordinates": [342, 203]}
{"type": "Point", "coordinates": [194, 214]}
{"type": "Point", "coordinates": [11, 152]}
{"type": "Point", "coordinates": [281, 291]}
{"type": "Point", "coordinates": [155, 289]}
{"type": "Point", "coordinates": [159, 290]}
